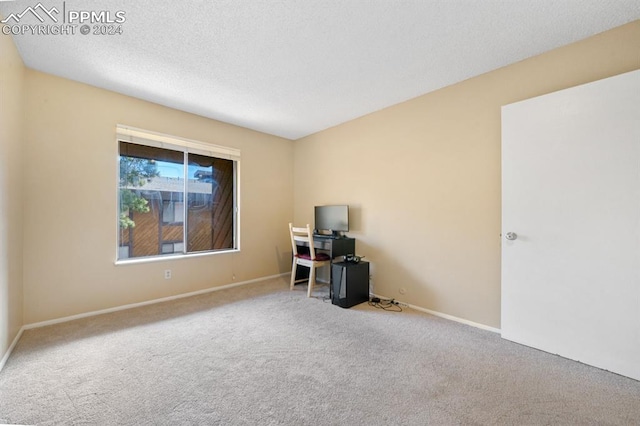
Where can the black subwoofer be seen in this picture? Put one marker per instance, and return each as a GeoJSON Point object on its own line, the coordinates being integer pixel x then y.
{"type": "Point", "coordinates": [349, 283]}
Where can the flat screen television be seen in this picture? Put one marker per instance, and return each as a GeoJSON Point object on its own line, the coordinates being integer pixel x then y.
{"type": "Point", "coordinates": [334, 219]}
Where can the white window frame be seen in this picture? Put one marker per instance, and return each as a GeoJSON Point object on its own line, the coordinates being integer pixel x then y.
{"type": "Point", "coordinates": [188, 146]}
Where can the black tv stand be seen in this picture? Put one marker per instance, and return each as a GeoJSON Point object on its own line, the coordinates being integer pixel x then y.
{"type": "Point", "coordinates": [334, 247]}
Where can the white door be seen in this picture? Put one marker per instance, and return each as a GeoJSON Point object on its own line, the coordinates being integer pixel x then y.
{"type": "Point", "coordinates": [571, 198]}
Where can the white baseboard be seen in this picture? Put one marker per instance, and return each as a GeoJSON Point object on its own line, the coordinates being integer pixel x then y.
{"type": "Point", "coordinates": [13, 345]}
{"type": "Point", "coordinates": [210, 290]}
{"type": "Point", "coordinates": [148, 302]}
{"type": "Point", "coordinates": [445, 316]}
{"type": "Point", "coordinates": [124, 307]}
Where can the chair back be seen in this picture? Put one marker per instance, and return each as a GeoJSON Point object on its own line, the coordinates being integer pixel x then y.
{"type": "Point", "coordinates": [302, 235]}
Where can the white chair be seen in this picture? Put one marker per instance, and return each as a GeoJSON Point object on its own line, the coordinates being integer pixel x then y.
{"type": "Point", "coordinates": [311, 260]}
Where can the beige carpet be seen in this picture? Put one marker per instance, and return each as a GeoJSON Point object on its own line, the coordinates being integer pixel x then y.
{"type": "Point", "coordinates": [262, 355]}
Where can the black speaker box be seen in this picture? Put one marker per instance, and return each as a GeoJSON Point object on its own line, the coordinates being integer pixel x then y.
{"type": "Point", "coordinates": [349, 283]}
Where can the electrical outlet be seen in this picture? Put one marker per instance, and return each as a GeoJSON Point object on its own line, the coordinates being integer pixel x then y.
{"type": "Point", "coordinates": [402, 290]}
{"type": "Point", "coordinates": [167, 274]}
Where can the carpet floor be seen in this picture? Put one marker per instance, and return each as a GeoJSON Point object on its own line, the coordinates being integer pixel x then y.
{"type": "Point", "coordinates": [263, 355]}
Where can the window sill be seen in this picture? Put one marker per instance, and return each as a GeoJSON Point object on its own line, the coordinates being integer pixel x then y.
{"type": "Point", "coordinates": [173, 257]}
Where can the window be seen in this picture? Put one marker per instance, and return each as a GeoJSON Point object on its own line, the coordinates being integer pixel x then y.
{"type": "Point", "coordinates": [175, 196]}
{"type": "Point", "coordinates": [172, 212]}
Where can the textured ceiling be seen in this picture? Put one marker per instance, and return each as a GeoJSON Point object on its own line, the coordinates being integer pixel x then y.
{"type": "Point", "coordinates": [291, 67]}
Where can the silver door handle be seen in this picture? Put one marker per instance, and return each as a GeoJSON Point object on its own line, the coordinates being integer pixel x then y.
{"type": "Point", "coordinates": [511, 236]}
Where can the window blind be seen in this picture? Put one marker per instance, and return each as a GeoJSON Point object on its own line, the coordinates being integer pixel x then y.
{"type": "Point", "coordinates": [159, 140]}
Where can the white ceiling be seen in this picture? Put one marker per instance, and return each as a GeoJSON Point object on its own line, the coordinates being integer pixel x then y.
{"type": "Point", "coordinates": [292, 67]}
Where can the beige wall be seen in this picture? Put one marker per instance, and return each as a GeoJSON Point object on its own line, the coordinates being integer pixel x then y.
{"type": "Point", "coordinates": [423, 177]}
{"type": "Point", "coordinates": [11, 120]}
{"type": "Point", "coordinates": [70, 202]}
